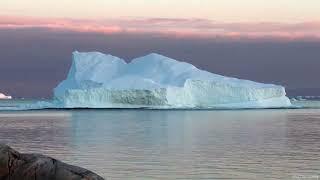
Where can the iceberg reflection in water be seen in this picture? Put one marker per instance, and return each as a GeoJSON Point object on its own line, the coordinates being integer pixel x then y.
{"type": "Point", "coordinates": [120, 144]}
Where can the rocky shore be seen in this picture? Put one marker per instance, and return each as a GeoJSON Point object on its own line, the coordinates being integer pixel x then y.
{"type": "Point", "coordinates": [17, 166]}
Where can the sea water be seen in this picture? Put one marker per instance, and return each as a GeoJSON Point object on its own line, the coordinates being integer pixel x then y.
{"type": "Point", "coordinates": [172, 144]}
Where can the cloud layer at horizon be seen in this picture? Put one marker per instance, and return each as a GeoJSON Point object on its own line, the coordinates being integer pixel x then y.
{"type": "Point", "coordinates": [173, 27]}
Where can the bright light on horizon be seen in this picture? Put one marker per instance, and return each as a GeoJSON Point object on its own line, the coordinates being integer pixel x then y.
{"type": "Point", "coordinates": [288, 11]}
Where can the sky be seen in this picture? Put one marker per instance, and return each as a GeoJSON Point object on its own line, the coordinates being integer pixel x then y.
{"type": "Point", "coordinates": [287, 19]}
{"type": "Point", "coordinates": [274, 41]}
{"type": "Point", "coordinates": [217, 10]}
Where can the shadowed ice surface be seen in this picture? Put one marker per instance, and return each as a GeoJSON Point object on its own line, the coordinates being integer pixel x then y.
{"type": "Point", "coordinates": [151, 144]}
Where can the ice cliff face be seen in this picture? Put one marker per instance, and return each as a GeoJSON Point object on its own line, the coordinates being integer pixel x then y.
{"type": "Point", "coordinates": [96, 80]}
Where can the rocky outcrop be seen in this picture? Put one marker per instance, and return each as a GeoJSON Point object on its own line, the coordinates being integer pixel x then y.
{"type": "Point", "coordinates": [16, 166]}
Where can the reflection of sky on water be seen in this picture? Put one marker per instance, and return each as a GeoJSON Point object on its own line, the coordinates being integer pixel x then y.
{"type": "Point", "coordinates": [45, 132]}
{"type": "Point", "coordinates": [173, 144]}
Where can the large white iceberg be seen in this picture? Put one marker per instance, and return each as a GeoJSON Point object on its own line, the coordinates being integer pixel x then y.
{"type": "Point", "coordinates": [97, 80]}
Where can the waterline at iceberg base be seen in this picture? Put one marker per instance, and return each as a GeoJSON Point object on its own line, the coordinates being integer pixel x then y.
{"type": "Point", "coordinates": [97, 80]}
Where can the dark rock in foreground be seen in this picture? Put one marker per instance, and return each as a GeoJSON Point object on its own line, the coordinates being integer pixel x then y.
{"type": "Point", "coordinates": [16, 166]}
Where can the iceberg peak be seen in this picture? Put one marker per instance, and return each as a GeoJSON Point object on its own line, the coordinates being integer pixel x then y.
{"type": "Point", "coordinates": [100, 80]}
{"type": "Point", "coordinates": [154, 58]}
{"type": "Point", "coordinates": [154, 55]}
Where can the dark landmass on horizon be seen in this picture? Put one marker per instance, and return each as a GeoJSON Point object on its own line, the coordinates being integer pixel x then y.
{"type": "Point", "coordinates": [33, 61]}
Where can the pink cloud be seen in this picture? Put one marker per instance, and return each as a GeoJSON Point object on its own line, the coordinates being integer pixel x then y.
{"type": "Point", "coordinates": [56, 24]}
{"type": "Point", "coordinates": [180, 28]}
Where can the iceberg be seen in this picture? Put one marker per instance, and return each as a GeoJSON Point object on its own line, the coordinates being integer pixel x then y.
{"type": "Point", "coordinates": [97, 80]}
{"type": "Point", "coordinates": [3, 96]}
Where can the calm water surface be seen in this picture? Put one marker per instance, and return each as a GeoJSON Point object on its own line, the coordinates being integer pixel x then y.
{"type": "Point", "coordinates": [151, 144]}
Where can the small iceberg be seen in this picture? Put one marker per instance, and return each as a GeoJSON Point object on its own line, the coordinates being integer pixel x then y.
{"type": "Point", "coordinates": [3, 96]}
{"type": "Point", "coordinates": [98, 80]}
